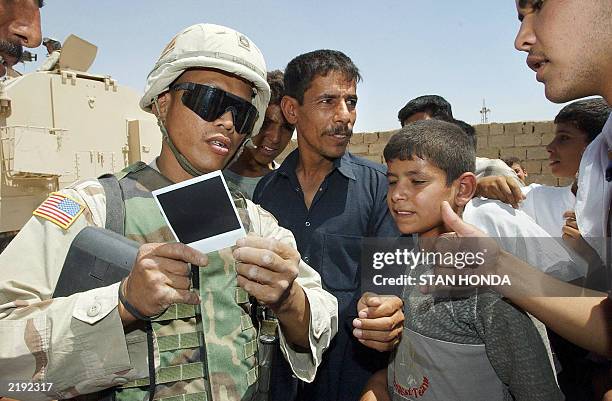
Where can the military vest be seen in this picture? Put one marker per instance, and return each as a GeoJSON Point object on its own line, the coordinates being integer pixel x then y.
{"type": "Point", "coordinates": [224, 366]}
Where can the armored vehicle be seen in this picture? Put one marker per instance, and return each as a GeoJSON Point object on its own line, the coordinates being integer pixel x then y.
{"type": "Point", "coordinates": [62, 125]}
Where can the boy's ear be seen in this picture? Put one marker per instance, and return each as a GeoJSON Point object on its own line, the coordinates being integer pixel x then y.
{"type": "Point", "coordinates": [466, 188]}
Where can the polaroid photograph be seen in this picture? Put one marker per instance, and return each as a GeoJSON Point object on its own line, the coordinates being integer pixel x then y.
{"type": "Point", "coordinates": [201, 213]}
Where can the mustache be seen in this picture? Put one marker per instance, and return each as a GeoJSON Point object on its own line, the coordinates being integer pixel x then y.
{"type": "Point", "coordinates": [536, 53]}
{"type": "Point", "coordinates": [339, 130]}
{"type": "Point", "coordinates": [11, 49]}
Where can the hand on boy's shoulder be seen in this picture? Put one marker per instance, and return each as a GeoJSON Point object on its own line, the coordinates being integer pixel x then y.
{"type": "Point", "coordinates": [380, 322]}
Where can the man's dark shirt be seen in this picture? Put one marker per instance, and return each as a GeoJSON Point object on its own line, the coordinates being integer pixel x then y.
{"type": "Point", "coordinates": [349, 205]}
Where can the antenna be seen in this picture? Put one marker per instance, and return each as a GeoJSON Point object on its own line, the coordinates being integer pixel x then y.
{"type": "Point", "coordinates": [484, 113]}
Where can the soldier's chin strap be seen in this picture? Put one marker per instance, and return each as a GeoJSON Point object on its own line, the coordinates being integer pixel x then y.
{"type": "Point", "coordinates": [182, 160]}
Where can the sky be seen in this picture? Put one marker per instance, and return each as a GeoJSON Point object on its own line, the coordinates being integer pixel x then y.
{"type": "Point", "coordinates": [462, 50]}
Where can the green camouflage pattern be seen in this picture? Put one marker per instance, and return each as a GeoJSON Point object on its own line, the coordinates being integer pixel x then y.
{"type": "Point", "coordinates": [225, 366]}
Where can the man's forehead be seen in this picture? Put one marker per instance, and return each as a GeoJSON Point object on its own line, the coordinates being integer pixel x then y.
{"type": "Point", "coordinates": [331, 82]}
{"type": "Point", "coordinates": [335, 76]}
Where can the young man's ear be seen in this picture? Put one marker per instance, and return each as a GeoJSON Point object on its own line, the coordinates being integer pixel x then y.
{"type": "Point", "coordinates": [289, 107]}
{"type": "Point", "coordinates": [466, 188]}
{"type": "Point", "coordinates": [163, 101]}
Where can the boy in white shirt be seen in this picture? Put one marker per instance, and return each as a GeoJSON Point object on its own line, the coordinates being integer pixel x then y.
{"type": "Point", "coordinates": [576, 125]}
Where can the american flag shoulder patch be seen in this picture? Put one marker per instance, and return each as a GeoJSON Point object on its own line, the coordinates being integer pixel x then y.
{"type": "Point", "coordinates": [59, 209]}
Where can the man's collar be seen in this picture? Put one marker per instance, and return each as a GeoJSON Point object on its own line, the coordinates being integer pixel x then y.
{"type": "Point", "coordinates": [343, 164]}
{"type": "Point", "coordinates": [288, 165]}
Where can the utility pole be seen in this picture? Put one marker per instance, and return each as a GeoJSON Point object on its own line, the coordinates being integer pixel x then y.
{"type": "Point", "coordinates": [484, 113]}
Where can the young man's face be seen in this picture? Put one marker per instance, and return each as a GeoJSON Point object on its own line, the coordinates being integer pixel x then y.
{"type": "Point", "coordinates": [19, 26]}
{"type": "Point", "coordinates": [326, 117]}
{"type": "Point", "coordinates": [520, 172]}
{"type": "Point", "coordinates": [565, 150]}
{"type": "Point", "coordinates": [416, 191]}
{"type": "Point", "coordinates": [207, 145]}
{"type": "Point", "coordinates": [569, 44]}
{"type": "Point", "coordinates": [273, 137]}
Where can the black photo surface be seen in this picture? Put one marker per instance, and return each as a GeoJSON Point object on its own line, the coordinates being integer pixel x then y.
{"type": "Point", "coordinates": [198, 211]}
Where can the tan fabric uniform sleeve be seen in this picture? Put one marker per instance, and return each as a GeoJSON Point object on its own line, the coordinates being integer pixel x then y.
{"type": "Point", "coordinates": [76, 343]}
{"type": "Point", "coordinates": [323, 305]}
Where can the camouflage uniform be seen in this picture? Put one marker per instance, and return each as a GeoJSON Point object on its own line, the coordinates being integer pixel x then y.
{"type": "Point", "coordinates": [78, 342]}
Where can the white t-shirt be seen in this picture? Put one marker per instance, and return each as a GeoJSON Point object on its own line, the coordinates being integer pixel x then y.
{"type": "Point", "coordinates": [546, 205]}
{"type": "Point", "coordinates": [594, 193]}
{"type": "Point", "coordinates": [522, 237]}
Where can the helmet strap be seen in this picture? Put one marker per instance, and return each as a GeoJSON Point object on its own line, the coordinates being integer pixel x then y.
{"type": "Point", "coordinates": [182, 160]}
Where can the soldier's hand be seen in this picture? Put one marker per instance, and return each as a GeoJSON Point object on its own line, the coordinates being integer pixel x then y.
{"type": "Point", "coordinates": [380, 322]}
{"type": "Point", "coordinates": [266, 268]}
{"type": "Point", "coordinates": [161, 277]}
{"type": "Point", "coordinates": [503, 188]}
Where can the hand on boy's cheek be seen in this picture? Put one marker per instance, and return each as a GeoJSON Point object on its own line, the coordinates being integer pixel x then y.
{"type": "Point", "coordinates": [380, 322]}
{"type": "Point", "coordinates": [467, 239]}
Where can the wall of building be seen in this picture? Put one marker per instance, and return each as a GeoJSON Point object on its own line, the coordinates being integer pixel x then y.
{"type": "Point", "coordinates": [525, 140]}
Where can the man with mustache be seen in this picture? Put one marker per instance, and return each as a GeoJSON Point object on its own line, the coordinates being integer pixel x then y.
{"type": "Point", "coordinates": [19, 27]}
{"type": "Point", "coordinates": [330, 200]}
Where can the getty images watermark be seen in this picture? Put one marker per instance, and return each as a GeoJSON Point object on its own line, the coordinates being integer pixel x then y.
{"type": "Point", "coordinates": [388, 265]}
{"type": "Point", "coordinates": [409, 260]}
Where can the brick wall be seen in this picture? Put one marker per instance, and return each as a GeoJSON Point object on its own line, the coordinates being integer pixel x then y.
{"type": "Point", "coordinates": [525, 140]}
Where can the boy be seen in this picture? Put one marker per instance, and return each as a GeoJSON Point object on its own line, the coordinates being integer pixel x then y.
{"type": "Point", "coordinates": [474, 348]}
{"type": "Point", "coordinates": [515, 164]}
{"type": "Point", "coordinates": [576, 125]}
{"type": "Point", "coordinates": [257, 158]}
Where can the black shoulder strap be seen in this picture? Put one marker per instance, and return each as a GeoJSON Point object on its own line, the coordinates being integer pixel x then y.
{"type": "Point", "coordinates": [115, 221]}
{"type": "Point", "coordinates": [115, 209]}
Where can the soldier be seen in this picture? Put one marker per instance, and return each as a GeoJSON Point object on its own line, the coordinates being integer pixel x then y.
{"type": "Point", "coordinates": [19, 26]}
{"type": "Point", "coordinates": [94, 339]}
{"type": "Point", "coordinates": [54, 48]}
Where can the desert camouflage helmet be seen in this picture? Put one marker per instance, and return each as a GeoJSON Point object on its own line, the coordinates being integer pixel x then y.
{"type": "Point", "coordinates": [208, 46]}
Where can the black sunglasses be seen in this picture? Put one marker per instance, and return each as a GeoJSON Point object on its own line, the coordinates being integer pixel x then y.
{"type": "Point", "coordinates": [210, 103]}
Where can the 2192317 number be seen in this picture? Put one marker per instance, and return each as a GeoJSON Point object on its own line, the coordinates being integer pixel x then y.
{"type": "Point", "coordinates": [28, 387]}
